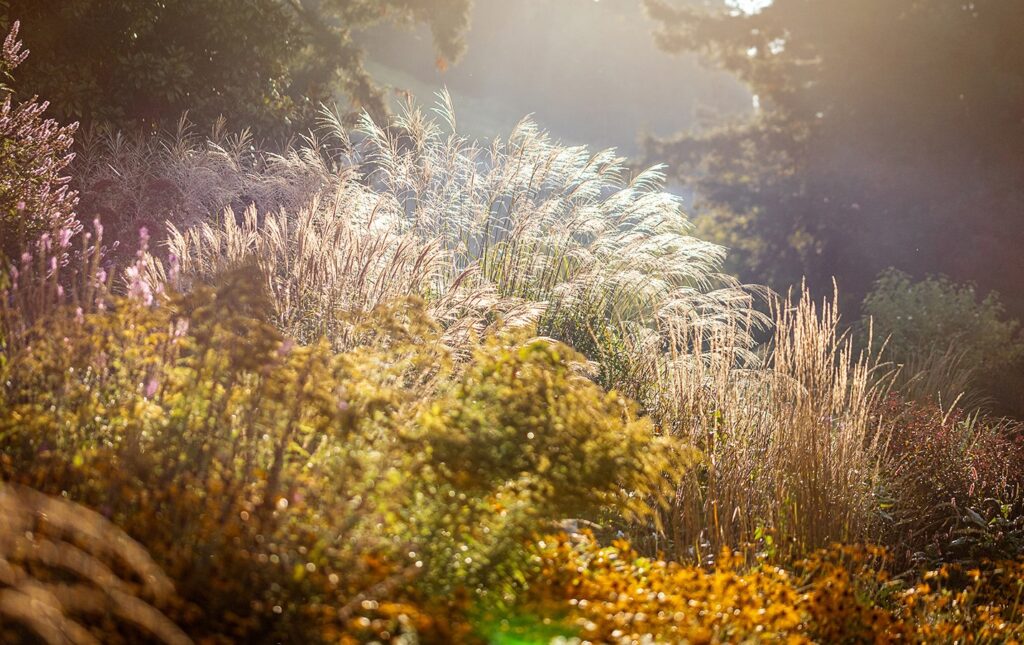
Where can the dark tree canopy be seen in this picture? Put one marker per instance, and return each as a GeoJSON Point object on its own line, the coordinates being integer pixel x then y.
{"type": "Point", "coordinates": [261, 63]}
{"type": "Point", "coordinates": [889, 132]}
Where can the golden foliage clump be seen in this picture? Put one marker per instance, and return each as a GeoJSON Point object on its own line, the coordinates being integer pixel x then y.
{"type": "Point", "coordinates": [300, 493]}
{"type": "Point", "coordinates": [579, 439]}
{"type": "Point", "coordinates": [612, 594]}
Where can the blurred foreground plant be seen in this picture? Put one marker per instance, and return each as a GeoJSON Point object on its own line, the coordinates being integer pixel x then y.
{"type": "Point", "coordinates": [60, 562]}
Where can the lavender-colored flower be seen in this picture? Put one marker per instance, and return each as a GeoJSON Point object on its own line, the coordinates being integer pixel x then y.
{"type": "Point", "coordinates": [286, 347]}
{"type": "Point", "coordinates": [143, 242]}
{"type": "Point", "coordinates": [174, 269]}
{"type": "Point", "coordinates": [180, 328]}
{"type": "Point", "coordinates": [138, 287]}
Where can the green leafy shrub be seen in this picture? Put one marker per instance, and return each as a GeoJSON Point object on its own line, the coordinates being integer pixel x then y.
{"type": "Point", "coordinates": [948, 341]}
{"type": "Point", "coordinates": [523, 431]}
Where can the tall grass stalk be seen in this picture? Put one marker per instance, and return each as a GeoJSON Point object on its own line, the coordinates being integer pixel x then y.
{"type": "Point", "coordinates": [791, 450]}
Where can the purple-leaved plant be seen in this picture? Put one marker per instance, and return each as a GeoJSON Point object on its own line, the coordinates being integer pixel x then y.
{"type": "Point", "coordinates": [35, 151]}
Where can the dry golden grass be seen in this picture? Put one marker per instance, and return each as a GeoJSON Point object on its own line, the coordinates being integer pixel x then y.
{"type": "Point", "coordinates": [791, 453]}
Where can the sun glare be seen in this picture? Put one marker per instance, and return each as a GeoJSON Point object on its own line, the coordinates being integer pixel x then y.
{"type": "Point", "coordinates": [749, 6]}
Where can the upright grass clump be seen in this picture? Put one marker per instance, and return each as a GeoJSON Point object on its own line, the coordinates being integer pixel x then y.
{"type": "Point", "coordinates": [830, 454]}
{"type": "Point", "coordinates": [791, 450]}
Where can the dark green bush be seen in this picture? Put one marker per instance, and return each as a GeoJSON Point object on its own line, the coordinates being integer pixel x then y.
{"type": "Point", "coordinates": [948, 340]}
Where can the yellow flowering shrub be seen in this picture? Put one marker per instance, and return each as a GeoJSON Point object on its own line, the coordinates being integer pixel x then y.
{"type": "Point", "coordinates": [612, 594]}
{"type": "Point", "coordinates": [979, 604]}
{"type": "Point", "coordinates": [842, 594]}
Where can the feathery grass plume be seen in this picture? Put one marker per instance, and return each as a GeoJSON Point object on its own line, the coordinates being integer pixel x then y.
{"type": "Point", "coordinates": [791, 452]}
{"type": "Point", "coordinates": [316, 265]}
{"type": "Point", "coordinates": [185, 178]}
{"type": "Point", "coordinates": [523, 230]}
{"type": "Point", "coordinates": [59, 565]}
{"type": "Point", "coordinates": [544, 222]}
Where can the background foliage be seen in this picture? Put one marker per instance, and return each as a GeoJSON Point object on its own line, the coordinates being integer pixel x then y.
{"type": "Point", "coordinates": [888, 134]}
{"type": "Point", "coordinates": [948, 340]}
{"type": "Point", "coordinates": [265, 65]}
